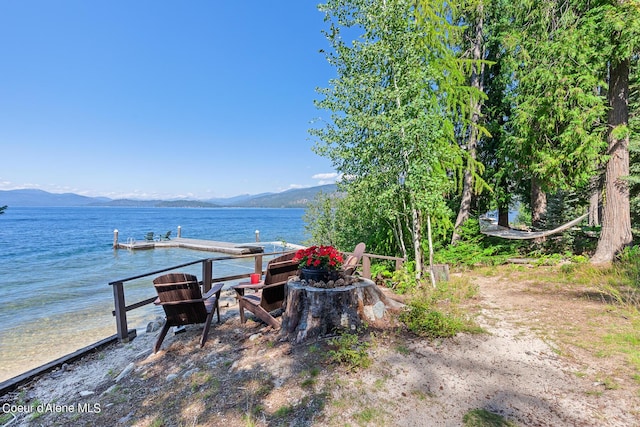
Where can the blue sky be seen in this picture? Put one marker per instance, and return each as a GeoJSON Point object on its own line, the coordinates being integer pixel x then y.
{"type": "Point", "coordinates": [160, 99]}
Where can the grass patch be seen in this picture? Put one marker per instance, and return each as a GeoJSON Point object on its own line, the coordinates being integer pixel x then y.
{"type": "Point", "coordinates": [435, 313]}
{"type": "Point", "coordinates": [284, 411]}
{"type": "Point", "coordinates": [484, 418]}
{"type": "Point", "coordinates": [423, 320]}
{"type": "Point", "coordinates": [368, 416]}
{"type": "Point", "coordinates": [349, 351]}
{"type": "Point", "coordinates": [403, 349]}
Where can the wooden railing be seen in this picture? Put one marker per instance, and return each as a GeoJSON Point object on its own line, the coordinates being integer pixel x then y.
{"type": "Point", "coordinates": [121, 308]}
{"type": "Point", "coordinates": [366, 263]}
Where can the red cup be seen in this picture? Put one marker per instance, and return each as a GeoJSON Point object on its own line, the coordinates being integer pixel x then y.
{"type": "Point", "coordinates": [255, 278]}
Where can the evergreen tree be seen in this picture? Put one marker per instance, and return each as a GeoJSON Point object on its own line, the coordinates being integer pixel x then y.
{"type": "Point", "coordinates": [613, 26]}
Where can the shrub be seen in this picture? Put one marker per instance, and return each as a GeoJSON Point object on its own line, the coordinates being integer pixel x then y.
{"type": "Point", "coordinates": [381, 274]}
{"type": "Point", "coordinates": [628, 263]}
{"type": "Point", "coordinates": [475, 248]}
{"type": "Point", "coordinates": [423, 320]}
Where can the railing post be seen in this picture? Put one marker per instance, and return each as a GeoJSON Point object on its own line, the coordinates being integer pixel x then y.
{"type": "Point", "coordinates": [399, 262]}
{"type": "Point", "coordinates": [115, 238]}
{"type": "Point", "coordinates": [366, 267]}
{"type": "Point", "coordinates": [258, 264]}
{"type": "Point", "coordinates": [121, 312]}
{"type": "Point", "coordinates": [179, 231]}
{"type": "Point", "coordinates": [207, 275]}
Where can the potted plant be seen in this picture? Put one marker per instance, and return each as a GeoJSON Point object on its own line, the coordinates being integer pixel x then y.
{"type": "Point", "coordinates": [318, 262]}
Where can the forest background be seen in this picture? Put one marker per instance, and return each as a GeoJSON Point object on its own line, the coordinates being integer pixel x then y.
{"type": "Point", "coordinates": [442, 111]}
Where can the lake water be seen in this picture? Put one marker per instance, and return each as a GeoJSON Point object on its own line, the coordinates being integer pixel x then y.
{"type": "Point", "coordinates": [56, 263]}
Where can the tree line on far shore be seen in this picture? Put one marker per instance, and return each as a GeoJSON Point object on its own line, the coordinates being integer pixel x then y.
{"type": "Point", "coordinates": [441, 111]}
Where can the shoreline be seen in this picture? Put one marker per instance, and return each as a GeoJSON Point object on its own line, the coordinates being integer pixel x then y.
{"type": "Point", "coordinates": [14, 382]}
{"type": "Point", "coordinates": [39, 343]}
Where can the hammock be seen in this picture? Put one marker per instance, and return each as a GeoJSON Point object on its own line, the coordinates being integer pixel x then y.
{"type": "Point", "coordinates": [509, 233]}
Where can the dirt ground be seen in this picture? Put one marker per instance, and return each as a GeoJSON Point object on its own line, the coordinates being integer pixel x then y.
{"type": "Point", "coordinates": [537, 364]}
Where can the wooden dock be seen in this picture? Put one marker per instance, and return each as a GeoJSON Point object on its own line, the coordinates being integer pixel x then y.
{"type": "Point", "coordinates": [195, 244]}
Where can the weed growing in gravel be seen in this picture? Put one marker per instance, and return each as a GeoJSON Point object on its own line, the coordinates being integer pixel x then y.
{"type": "Point", "coordinates": [158, 422]}
{"type": "Point", "coordinates": [283, 411]}
{"type": "Point", "coordinates": [484, 418]}
{"type": "Point", "coordinates": [349, 351]}
{"type": "Point", "coordinates": [368, 416]}
{"type": "Point", "coordinates": [403, 349]}
{"type": "Point", "coordinates": [311, 379]}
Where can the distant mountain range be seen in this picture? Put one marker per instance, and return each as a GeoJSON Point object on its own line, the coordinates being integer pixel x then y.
{"type": "Point", "coordinates": [297, 198]}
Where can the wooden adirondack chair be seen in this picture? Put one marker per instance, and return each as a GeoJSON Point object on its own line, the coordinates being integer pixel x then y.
{"type": "Point", "coordinates": [183, 303]}
{"type": "Point", "coordinates": [350, 265]}
{"type": "Point", "coordinates": [149, 237]}
{"type": "Point", "coordinates": [270, 292]}
{"type": "Point", "coordinates": [167, 236]}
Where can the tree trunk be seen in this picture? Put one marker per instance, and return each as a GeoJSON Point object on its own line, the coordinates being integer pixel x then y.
{"type": "Point", "coordinates": [400, 237]}
{"type": "Point", "coordinates": [417, 241]}
{"type": "Point", "coordinates": [477, 77]}
{"type": "Point", "coordinates": [594, 202]}
{"type": "Point", "coordinates": [503, 216]}
{"type": "Point", "coordinates": [465, 204]}
{"type": "Point", "coordinates": [616, 220]}
{"type": "Point", "coordinates": [538, 205]}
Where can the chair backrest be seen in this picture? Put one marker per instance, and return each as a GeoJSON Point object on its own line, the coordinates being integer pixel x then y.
{"type": "Point", "coordinates": [352, 261]}
{"type": "Point", "coordinates": [280, 268]}
{"type": "Point", "coordinates": [181, 298]}
{"type": "Point", "coordinates": [278, 272]}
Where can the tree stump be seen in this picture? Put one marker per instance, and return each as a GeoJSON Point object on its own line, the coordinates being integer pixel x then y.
{"type": "Point", "coordinates": [311, 312]}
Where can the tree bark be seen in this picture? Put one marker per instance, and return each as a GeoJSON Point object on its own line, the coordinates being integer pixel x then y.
{"type": "Point", "coordinates": [477, 77]}
{"type": "Point", "coordinates": [416, 224]}
{"type": "Point", "coordinates": [616, 220]}
{"type": "Point", "coordinates": [594, 202]}
{"type": "Point", "coordinates": [538, 205]}
{"type": "Point", "coordinates": [503, 216]}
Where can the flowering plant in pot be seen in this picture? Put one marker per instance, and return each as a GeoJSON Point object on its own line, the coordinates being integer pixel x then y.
{"type": "Point", "coordinates": [316, 262]}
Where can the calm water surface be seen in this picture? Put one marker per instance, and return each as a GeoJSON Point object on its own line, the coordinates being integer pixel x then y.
{"type": "Point", "coordinates": [56, 263]}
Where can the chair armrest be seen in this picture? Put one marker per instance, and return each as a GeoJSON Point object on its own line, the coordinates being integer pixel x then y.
{"type": "Point", "coordinates": [247, 285]}
{"type": "Point", "coordinates": [240, 287]}
{"type": "Point", "coordinates": [280, 283]}
{"type": "Point", "coordinates": [184, 301]}
{"type": "Point", "coordinates": [215, 290]}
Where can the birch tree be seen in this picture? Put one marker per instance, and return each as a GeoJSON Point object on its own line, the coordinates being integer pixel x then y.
{"type": "Point", "coordinates": [391, 131]}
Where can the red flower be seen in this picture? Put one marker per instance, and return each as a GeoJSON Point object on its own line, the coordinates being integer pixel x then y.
{"type": "Point", "coordinates": [319, 256]}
